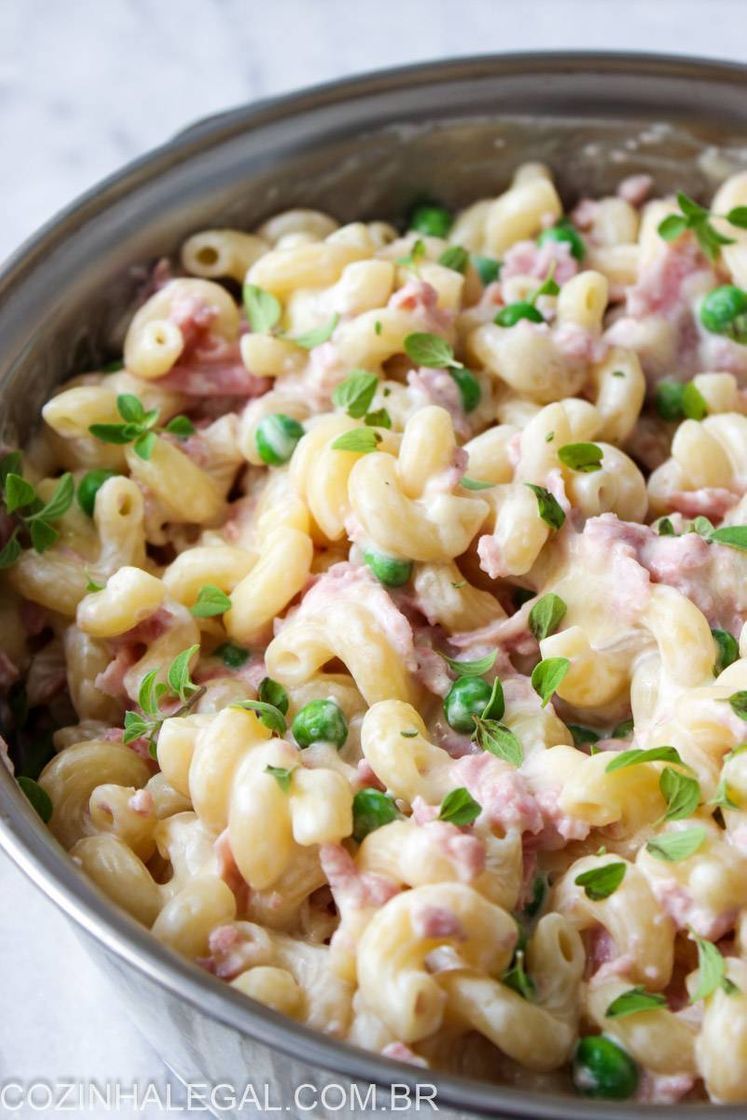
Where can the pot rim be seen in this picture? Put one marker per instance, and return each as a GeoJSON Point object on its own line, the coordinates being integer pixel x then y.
{"type": "Point", "coordinates": [35, 851]}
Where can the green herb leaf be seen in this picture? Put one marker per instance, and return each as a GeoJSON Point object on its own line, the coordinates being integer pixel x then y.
{"type": "Point", "coordinates": [672, 227]}
{"type": "Point", "coordinates": [130, 408]}
{"type": "Point", "coordinates": [622, 730]}
{"type": "Point", "coordinates": [11, 464]}
{"type": "Point", "coordinates": [310, 339]}
{"type": "Point", "coordinates": [137, 727]}
{"type": "Point", "coordinates": [459, 807]}
{"type": "Point", "coordinates": [43, 535]}
{"type": "Point", "coordinates": [519, 980]}
{"type": "Point", "coordinates": [281, 775]}
{"type": "Point", "coordinates": [270, 716]}
{"type": "Point", "coordinates": [738, 703]}
{"type": "Point", "coordinates": [583, 457]}
{"type": "Point", "coordinates": [498, 740]}
{"type": "Point", "coordinates": [549, 509]}
{"type": "Point", "coordinates": [372, 809]}
{"type": "Point", "coordinates": [675, 846]}
{"type": "Point", "coordinates": [409, 733]}
{"type": "Point", "coordinates": [92, 586]}
{"type": "Point", "coordinates": [430, 350]}
{"type": "Point", "coordinates": [633, 1002]}
{"type": "Point", "coordinates": [669, 400]}
{"type": "Point", "coordinates": [636, 756]}
{"type": "Point", "coordinates": [232, 656]}
{"type": "Point", "coordinates": [150, 693]}
{"type": "Point", "coordinates": [664, 527]}
{"type": "Point", "coordinates": [727, 650]}
{"type": "Point", "coordinates": [471, 668]}
{"type": "Point", "coordinates": [548, 675]}
{"type": "Point", "coordinates": [263, 310]}
{"type": "Point", "coordinates": [738, 217]}
{"type": "Point", "coordinates": [10, 552]}
{"type": "Point", "coordinates": [681, 793]}
{"type": "Point", "coordinates": [211, 601]}
{"type": "Point", "coordinates": [60, 502]}
{"type": "Point", "coordinates": [455, 257]}
{"type": "Point", "coordinates": [415, 256]}
{"type": "Point", "coordinates": [733, 536]}
{"type": "Point", "coordinates": [113, 433]}
{"type": "Point", "coordinates": [144, 445]}
{"type": "Point", "coordinates": [18, 493]}
{"type": "Point", "coordinates": [601, 882]}
{"type": "Point", "coordinates": [356, 392]}
{"type": "Point", "coordinates": [39, 798]}
{"type": "Point", "coordinates": [711, 971]}
{"type": "Point", "coordinates": [358, 439]}
{"type": "Point", "coordinates": [180, 426]}
{"type": "Point", "coordinates": [178, 676]}
{"type": "Point", "coordinates": [272, 692]}
{"type": "Point", "coordinates": [475, 484]}
{"type": "Point", "coordinates": [722, 798]}
{"type": "Point", "coordinates": [546, 615]}
{"type": "Point", "coordinates": [378, 419]}
{"type": "Point", "coordinates": [582, 736]}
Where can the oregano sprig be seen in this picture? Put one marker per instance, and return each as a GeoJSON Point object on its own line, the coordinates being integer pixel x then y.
{"type": "Point", "coordinates": [139, 426]}
{"type": "Point", "coordinates": [33, 518]}
{"type": "Point", "coordinates": [692, 216]}
{"type": "Point", "coordinates": [147, 723]}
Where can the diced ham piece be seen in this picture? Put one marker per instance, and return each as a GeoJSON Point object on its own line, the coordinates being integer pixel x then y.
{"type": "Point", "coordinates": [678, 903]}
{"type": "Point", "coordinates": [402, 1053]}
{"type": "Point", "coordinates": [660, 1088]}
{"type": "Point", "coordinates": [635, 189]}
{"type": "Point", "coordinates": [500, 790]}
{"type": "Point", "coordinates": [351, 888]}
{"type": "Point", "coordinates": [712, 502]}
{"type": "Point", "coordinates": [559, 827]}
{"type": "Point", "coordinates": [34, 618]}
{"type": "Point", "coordinates": [228, 870]}
{"type": "Point", "coordinates": [422, 299]}
{"type": "Point", "coordinates": [527, 258]}
{"type": "Point", "coordinates": [234, 949]}
{"type": "Point", "coordinates": [434, 922]}
{"type": "Point", "coordinates": [437, 386]}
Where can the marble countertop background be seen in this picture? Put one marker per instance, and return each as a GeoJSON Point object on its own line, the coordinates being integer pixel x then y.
{"type": "Point", "coordinates": [86, 85]}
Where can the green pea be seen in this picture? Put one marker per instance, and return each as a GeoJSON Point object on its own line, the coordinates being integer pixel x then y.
{"type": "Point", "coordinates": [601, 1068]}
{"type": "Point", "coordinates": [721, 307]}
{"type": "Point", "coordinates": [320, 721]}
{"type": "Point", "coordinates": [467, 697]}
{"type": "Point", "coordinates": [469, 388]}
{"type": "Point", "coordinates": [430, 219]}
{"type": "Point", "coordinates": [272, 692]}
{"type": "Point", "coordinates": [564, 231]}
{"type": "Point", "coordinates": [371, 810]}
{"type": "Point", "coordinates": [89, 486]}
{"type": "Point", "coordinates": [276, 438]}
{"type": "Point", "coordinates": [512, 313]}
{"type": "Point", "coordinates": [389, 570]}
{"type": "Point", "coordinates": [487, 268]}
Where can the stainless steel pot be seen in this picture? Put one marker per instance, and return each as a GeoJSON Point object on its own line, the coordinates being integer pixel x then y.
{"type": "Point", "coordinates": [359, 148]}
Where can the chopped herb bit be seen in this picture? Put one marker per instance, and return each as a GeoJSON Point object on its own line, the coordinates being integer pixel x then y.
{"type": "Point", "coordinates": [636, 756]}
{"type": "Point", "coordinates": [681, 793]}
{"type": "Point", "coordinates": [430, 350]}
{"type": "Point", "coordinates": [232, 656]}
{"type": "Point", "coordinates": [548, 675]}
{"type": "Point", "coordinates": [378, 419]}
{"type": "Point", "coordinates": [487, 268]}
{"type": "Point", "coordinates": [582, 736]}
{"type": "Point", "coordinates": [634, 1001]}
{"type": "Point", "coordinates": [471, 668]}
{"type": "Point", "coordinates": [546, 615]}
{"type": "Point", "coordinates": [456, 258]}
{"type": "Point", "coordinates": [733, 536]}
{"type": "Point", "coordinates": [362, 440]}
{"type": "Point", "coordinates": [672, 847]}
{"type": "Point", "coordinates": [548, 506]}
{"type": "Point", "coordinates": [600, 882]}
{"type": "Point", "coordinates": [268, 714]}
{"type": "Point", "coordinates": [711, 971]}
{"type": "Point", "coordinates": [263, 310]}
{"type": "Point", "coordinates": [272, 692]}
{"type": "Point", "coordinates": [498, 740]}
{"type": "Point", "coordinates": [211, 601]}
{"type": "Point", "coordinates": [282, 776]}
{"type": "Point", "coordinates": [316, 337]}
{"type": "Point", "coordinates": [727, 650]}
{"type": "Point", "coordinates": [476, 484]}
{"type": "Point", "coordinates": [356, 392]}
{"type": "Point", "coordinates": [692, 216]}
{"type": "Point", "coordinates": [583, 457]}
{"type": "Point", "coordinates": [459, 807]}
{"type": "Point", "coordinates": [518, 979]}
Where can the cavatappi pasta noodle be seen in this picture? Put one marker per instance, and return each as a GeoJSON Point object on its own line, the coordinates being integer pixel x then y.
{"type": "Point", "coordinates": [379, 642]}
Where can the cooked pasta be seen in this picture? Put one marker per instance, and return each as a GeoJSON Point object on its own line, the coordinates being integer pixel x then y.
{"type": "Point", "coordinates": [379, 641]}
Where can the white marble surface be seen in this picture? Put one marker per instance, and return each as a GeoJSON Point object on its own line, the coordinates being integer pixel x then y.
{"type": "Point", "coordinates": [86, 85]}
